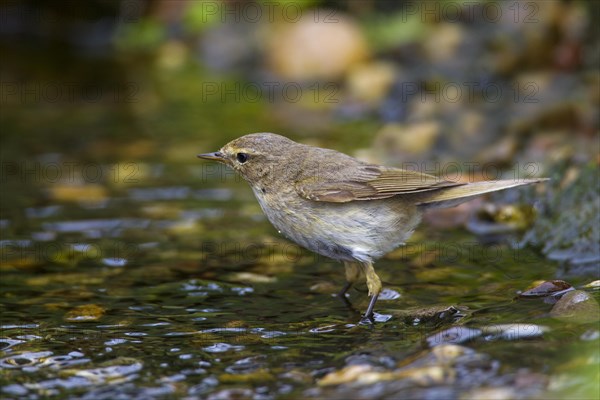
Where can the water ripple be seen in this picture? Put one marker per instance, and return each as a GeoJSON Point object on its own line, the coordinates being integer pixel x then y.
{"type": "Point", "coordinates": [323, 329]}
{"type": "Point", "coordinates": [26, 326]}
{"type": "Point", "coordinates": [7, 343]}
{"type": "Point", "coordinates": [222, 347]}
{"type": "Point", "coordinates": [114, 261]}
{"type": "Point", "coordinates": [213, 330]}
{"type": "Point", "coordinates": [114, 342]}
{"type": "Point", "coordinates": [23, 360]}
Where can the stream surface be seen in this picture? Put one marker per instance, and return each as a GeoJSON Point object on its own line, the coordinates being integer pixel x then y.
{"type": "Point", "coordinates": [155, 290]}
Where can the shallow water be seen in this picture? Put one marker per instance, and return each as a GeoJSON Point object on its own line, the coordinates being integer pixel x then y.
{"type": "Point", "coordinates": [186, 290]}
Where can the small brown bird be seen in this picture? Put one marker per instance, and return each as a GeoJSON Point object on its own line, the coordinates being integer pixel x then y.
{"type": "Point", "coordinates": [338, 206]}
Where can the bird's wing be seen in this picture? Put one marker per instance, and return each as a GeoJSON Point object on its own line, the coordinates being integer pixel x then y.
{"type": "Point", "coordinates": [367, 182]}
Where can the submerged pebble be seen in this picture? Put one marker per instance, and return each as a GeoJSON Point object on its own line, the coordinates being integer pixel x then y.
{"type": "Point", "coordinates": [436, 366]}
{"type": "Point", "coordinates": [84, 313]}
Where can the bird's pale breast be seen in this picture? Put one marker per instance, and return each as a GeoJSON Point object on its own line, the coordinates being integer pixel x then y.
{"type": "Point", "coordinates": [353, 231]}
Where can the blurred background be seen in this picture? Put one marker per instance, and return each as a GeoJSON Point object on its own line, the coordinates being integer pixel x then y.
{"type": "Point", "coordinates": [104, 104]}
{"type": "Point", "coordinates": [98, 98]}
{"type": "Point", "coordinates": [403, 79]}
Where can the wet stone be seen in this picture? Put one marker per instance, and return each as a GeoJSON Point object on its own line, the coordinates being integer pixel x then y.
{"type": "Point", "coordinates": [260, 375]}
{"type": "Point", "coordinates": [443, 365]}
{"type": "Point", "coordinates": [577, 306]}
{"type": "Point", "coordinates": [548, 288]}
{"type": "Point", "coordinates": [494, 220]}
{"type": "Point", "coordinates": [85, 313]}
{"type": "Point", "coordinates": [433, 314]}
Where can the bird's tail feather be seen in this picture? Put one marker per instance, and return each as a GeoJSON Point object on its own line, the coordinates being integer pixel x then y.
{"type": "Point", "coordinates": [453, 196]}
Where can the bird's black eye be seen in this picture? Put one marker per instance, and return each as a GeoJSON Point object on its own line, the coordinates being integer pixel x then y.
{"type": "Point", "coordinates": [242, 157]}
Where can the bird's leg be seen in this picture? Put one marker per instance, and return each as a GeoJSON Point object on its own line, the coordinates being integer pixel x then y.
{"type": "Point", "coordinates": [353, 274]}
{"type": "Point", "coordinates": [374, 285]}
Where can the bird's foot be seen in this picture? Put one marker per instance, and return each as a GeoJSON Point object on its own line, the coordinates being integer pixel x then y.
{"type": "Point", "coordinates": [366, 320]}
{"type": "Point", "coordinates": [369, 314]}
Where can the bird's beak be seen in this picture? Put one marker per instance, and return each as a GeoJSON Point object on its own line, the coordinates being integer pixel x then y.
{"type": "Point", "coordinates": [216, 156]}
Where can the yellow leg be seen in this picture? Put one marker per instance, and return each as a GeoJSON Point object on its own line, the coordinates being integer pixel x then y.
{"type": "Point", "coordinates": [353, 271]}
{"type": "Point", "coordinates": [353, 274]}
{"type": "Point", "coordinates": [374, 285]}
{"type": "Point", "coordinates": [373, 281]}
